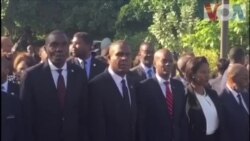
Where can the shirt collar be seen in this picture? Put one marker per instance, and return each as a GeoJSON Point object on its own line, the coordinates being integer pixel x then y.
{"type": "Point", "coordinates": [115, 76]}
{"type": "Point", "coordinates": [53, 67]}
{"type": "Point", "coordinates": [146, 68]}
{"type": "Point", "coordinates": [80, 60]}
{"type": "Point", "coordinates": [160, 79]}
{"type": "Point", "coordinates": [5, 85]}
{"type": "Point", "coordinates": [232, 91]}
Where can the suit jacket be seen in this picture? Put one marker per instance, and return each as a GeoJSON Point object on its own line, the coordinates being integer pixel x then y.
{"type": "Point", "coordinates": [196, 117]}
{"type": "Point", "coordinates": [43, 119]}
{"type": "Point", "coordinates": [13, 88]}
{"type": "Point", "coordinates": [154, 123]}
{"type": "Point", "coordinates": [96, 66]}
{"type": "Point", "coordinates": [110, 119]}
{"type": "Point", "coordinates": [10, 117]}
{"type": "Point", "coordinates": [237, 122]}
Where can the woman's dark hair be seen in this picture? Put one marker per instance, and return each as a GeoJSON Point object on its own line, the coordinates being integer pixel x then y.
{"type": "Point", "coordinates": [222, 65]}
{"type": "Point", "coordinates": [193, 66]}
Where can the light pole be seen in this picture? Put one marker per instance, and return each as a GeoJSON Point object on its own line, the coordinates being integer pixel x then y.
{"type": "Point", "coordinates": [224, 30]}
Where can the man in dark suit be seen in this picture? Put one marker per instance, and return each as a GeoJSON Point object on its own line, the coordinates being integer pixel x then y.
{"type": "Point", "coordinates": [10, 108]}
{"type": "Point", "coordinates": [9, 86]}
{"type": "Point", "coordinates": [145, 69]}
{"type": "Point", "coordinates": [235, 101]}
{"type": "Point", "coordinates": [10, 117]}
{"type": "Point", "coordinates": [81, 52]}
{"type": "Point", "coordinates": [161, 104]}
{"type": "Point", "coordinates": [54, 96]}
{"type": "Point", "coordinates": [112, 105]}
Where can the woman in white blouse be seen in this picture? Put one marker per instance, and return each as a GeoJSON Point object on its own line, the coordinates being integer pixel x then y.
{"type": "Point", "coordinates": [202, 107]}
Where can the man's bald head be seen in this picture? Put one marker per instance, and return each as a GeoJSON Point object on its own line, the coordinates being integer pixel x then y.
{"type": "Point", "coordinates": [6, 44]}
{"type": "Point", "coordinates": [238, 76]}
{"type": "Point", "coordinates": [161, 52]}
{"type": "Point", "coordinates": [163, 62]}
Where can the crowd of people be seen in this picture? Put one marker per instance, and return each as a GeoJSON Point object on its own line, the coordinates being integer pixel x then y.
{"type": "Point", "coordinates": [65, 92]}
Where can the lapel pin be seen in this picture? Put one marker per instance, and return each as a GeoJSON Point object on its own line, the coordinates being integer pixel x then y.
{"type": "Point", "coordinates": [12, 93]}
{"type": "Point", "coordinates": [94, 65]}
{"type": "Point", "coordinates": [72, 70]}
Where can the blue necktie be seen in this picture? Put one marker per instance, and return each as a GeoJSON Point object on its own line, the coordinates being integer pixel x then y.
{"type": "Point", "coordinates": [83, 65]}
{"type": "Point", "coordinates": [125, 92]}
{"type": "Point", "coordinates": [150, 73]}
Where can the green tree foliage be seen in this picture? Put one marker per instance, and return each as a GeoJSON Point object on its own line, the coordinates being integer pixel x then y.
{"type": "Point", "coordinates": [94, 16]}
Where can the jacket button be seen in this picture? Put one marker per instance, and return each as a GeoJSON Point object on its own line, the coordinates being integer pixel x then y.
{"type": "Point", "coordinates": [63, 119]}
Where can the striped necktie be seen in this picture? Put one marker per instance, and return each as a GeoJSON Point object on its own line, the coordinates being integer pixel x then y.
{"type": "Point", "coordinates": [169, 99]}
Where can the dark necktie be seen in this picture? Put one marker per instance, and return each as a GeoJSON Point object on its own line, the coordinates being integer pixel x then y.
{"type": "Point", "coordinates": [169, 100]}
{"type": "Point", "coordinates": [150, 73]}
{"type": "Point", "coordinates": [125, 92]}
{"type": "Point", "coordinates": [61, 89]}
{"type": "Point", "coordinates": [241, 104]}
{"type": "Point", "coordinates": [83, 65]}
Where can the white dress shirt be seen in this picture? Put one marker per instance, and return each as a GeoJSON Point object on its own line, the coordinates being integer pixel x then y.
{"type": "Point", "coordinates": [235, 94]}
{"type": "Point", "coordinates": [146, 69]}
{"type": "Point", "coordinates": [4, 87]}
{"type": "Point", "coordinates": [81, 62]}
{"type": "Point", "coordinates": [210, 112]}
{"type": "Point", "coordinates": [118, 83]}
{"type": "Point", "coordinates": [162, 84]}
{"type": "Point", "coordinates": [55, 73]}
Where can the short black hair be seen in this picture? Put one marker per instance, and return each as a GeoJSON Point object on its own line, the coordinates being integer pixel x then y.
{"type": "Point", "coordinates": [236, 55]}
{"type": "Point", "coordinates": [54, 32]}
{"type": "Point", "coordinates": [193, 66]}
{"type": "Point", "coordinates": [85, 37]}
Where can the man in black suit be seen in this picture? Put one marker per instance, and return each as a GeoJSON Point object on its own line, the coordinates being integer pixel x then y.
{"type": "Point", "coordinates": [112, 102]}
{"type": "Point", "coordinates": [235, 101]}
{"type": "Point", "coordinates": [10, 108]}
{"type": "Point", "coordinates": [81, 52]}
{"type": "Point", "coordinates": [161, 102]}
{"type": "Point", "coordinates": [54, 96]}
{"type": "Point", "coordinates": [145, 69]}
{"type": "Point", "coordinates": [9, 86]}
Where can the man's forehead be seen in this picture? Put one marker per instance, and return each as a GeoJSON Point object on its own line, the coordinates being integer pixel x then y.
{"type": "Point", "coordinates": [75, 39]}
{"type": "Point", "coordinates": [146, 47]}
{"type": "Point", "coordinates": [57, 38]}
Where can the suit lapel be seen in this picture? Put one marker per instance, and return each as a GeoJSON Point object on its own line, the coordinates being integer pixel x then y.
{"type": "Point", "coordinates": [47, 72]}
{"type": "Point", "coordinates": [231, 98]}
{"type": "Point", "coordinates": [92, 70]}
{"type": "Point", "coordinates": [113, 85]}
{"type": "Point", "coordinates": [246, 99]}
{"type": "Point", "coordinates": [142, 72]}
{"type": "Point", "coordinates": [176, 95]}
{"type": "Point", "coordinates": [10, 88]}
{"type": "Point", "coordinates": [131, 91]}
{"type": "Point", "coordinates": [70, 83]}
{"type": "Point", "coordinates": [49, 85]}
{"type": "Point", "coordinates": [159, 95]}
